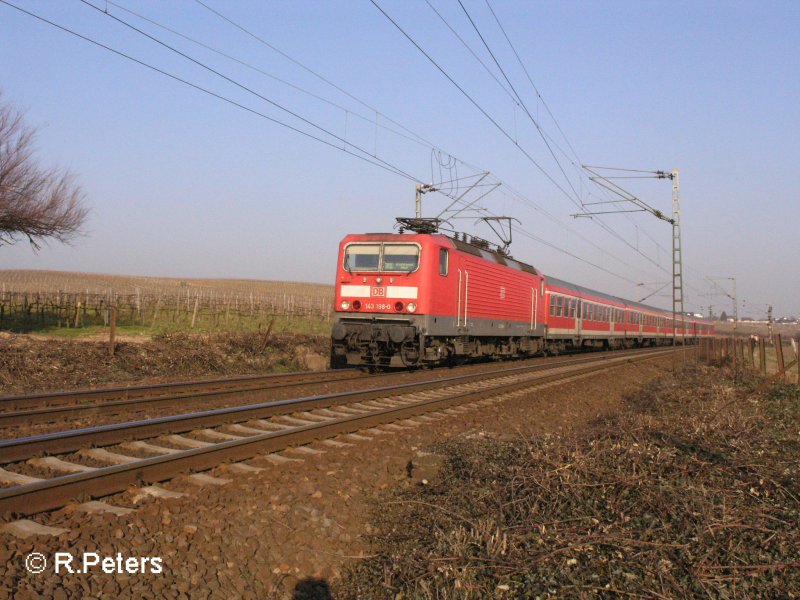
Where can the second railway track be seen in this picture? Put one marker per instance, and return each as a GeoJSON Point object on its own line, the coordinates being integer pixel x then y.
{"type": "Point", "coordinates": [49, 407]}
{"type": "Point", "coordinates": [104, 460]}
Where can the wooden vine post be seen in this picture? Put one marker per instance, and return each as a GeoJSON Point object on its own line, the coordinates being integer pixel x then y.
{"type": "Point", "coordinates": [113, 331]}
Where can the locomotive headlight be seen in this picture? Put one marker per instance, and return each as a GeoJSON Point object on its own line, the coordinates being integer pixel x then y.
{"type": "Point", "coordinates": [411, 306]}
{"type": "Point", "coordinates": [345, 305]}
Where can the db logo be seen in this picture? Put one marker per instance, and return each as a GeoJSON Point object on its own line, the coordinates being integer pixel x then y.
{"type": "Point", "coordinates": [379, 291]}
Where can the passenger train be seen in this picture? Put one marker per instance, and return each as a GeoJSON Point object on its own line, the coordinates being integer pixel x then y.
{"type": "Point", "coordinates": [422, 299]}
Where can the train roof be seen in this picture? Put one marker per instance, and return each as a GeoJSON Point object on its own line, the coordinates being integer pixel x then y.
{"type": "Point", "coordinates": [497, 257]}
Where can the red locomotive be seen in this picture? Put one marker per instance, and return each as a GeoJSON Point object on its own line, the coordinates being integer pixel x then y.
{"type": "Point", "coordinates": [419, 299]}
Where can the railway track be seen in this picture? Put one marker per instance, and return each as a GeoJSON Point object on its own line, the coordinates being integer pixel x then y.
{"type": "Point", "coordinates": [100, 461]}
{"type": "Point", "coordinates": [58, 406]}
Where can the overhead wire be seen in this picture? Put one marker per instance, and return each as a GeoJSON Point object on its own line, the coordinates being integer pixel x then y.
{"type": "Point", "coordinates": [382, 164]}
{"type": "Point", "coordinates": [468, 97]}
{"type": "Point", "coordinates": [308, 69]}
{"type": "Point", "coordinates": [242, 86]}
{"type": "Point", "coordinates": [576, 201]}
{"type": "Point", "coordinates": [411, 177]}
{"type": "Point", "coordinates": [410, 137]}
{"type": "Point", "coordinates": [469, 49]}
{"type": "Point", "coordinates": [518, 101]}
{"type": "Point", "coordinates": [555, 121]}
{"type": "Point", "coordinates": [533, 85]}
{"type": "Point", "coordinates": [204, 90]}
{"type": "Point", "coordinates": [521, 101]}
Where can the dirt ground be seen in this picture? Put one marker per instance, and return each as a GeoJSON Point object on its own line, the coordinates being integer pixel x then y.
{"type": "Point", "coordinates": [33, 364]}
{"type": "Point", "coordinates": [293, 526]}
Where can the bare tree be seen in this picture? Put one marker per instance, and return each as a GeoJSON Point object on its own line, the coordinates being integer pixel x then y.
{"type": "Point", "coordinates": [35, 203]}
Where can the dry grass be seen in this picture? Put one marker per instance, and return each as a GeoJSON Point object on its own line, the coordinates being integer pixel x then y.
{"type": "Point", "coordinates": [692, 492]}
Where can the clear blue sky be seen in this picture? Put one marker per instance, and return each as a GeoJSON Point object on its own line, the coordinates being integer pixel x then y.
{"type": "Point", "coordinates": [183, 184]}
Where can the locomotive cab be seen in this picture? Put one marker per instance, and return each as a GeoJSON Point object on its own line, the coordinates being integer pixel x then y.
{"type": "Point", "coordinates": [380, 299]}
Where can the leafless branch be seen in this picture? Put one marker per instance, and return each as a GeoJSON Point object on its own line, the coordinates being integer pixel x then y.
{"type": "Point", "coordinates": [35, 203]}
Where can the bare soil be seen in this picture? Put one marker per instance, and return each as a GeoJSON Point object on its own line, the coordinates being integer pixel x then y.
{"type": "Point", "coordinates": [33, 364]}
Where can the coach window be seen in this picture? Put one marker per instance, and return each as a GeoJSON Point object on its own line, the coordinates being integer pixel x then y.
{"type": "Point", "coordinates": [572, 308]}
{"type": "Point", "coordinates": [400, 257]}
{"type": "Point", "coordinates": [559, 306]}
{"type": "Point", "coordinates": [362, 257]}
{"type": "Point", "coordinates": [444, 261]}
{"type": "Point", "coordinates": [552, 305]}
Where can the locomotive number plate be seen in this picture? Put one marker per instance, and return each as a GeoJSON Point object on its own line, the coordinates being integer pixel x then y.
{"type": "Point", "coordinates": [379, 292]}
{"type": "Point", "coordinates": [377, 306]}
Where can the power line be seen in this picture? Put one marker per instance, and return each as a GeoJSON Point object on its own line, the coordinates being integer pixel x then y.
{"type": "Point", "coordinates": [470, 50]}
{"type": "Point", "coordinates": [415, 138]}
{"type": "Point", "coordinates": [244, 87]}
{"type": "Point", "coordinates": [289, 111]}
{"type": "Point", "coordinates": [405, 128]}
{"type": "Point", "coordinates": [533, 85]}
{"type": "Point", "coordinates": [206, 91]}
{"type": "Point", "coordinates": [386, 166]}
{"type": "Point", "coordinates": [555, 121]}
{"type": "Point", "coordinates": [469, 97]}
{"type": "Point", "coordinates": [304, 67]}
{"type": "Point", "coordinates": [521, 101]}
{"type": "Point", "coordinates": [515, 99]}
{"type": "Point", "coordinates": [600, 223]}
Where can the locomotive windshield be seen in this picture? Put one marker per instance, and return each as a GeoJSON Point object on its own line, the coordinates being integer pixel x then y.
{"type": "Point", "coordinates": [362, 257]}
{"type": "Point", "coordinates": [396, 258]}
{"type": "Point", "coordinates": [400, 257]}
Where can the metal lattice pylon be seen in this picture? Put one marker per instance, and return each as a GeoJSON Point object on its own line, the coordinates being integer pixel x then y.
{"type": "Point", "coordinates": [677, 262]}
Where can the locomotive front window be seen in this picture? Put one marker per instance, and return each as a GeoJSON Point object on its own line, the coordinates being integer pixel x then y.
{"type": "Point", "coordinates": [395, 258]}
{"type": "Point", "coordinates": [362, 257]}
{"type": "Point", "coordinates": [400, 257]}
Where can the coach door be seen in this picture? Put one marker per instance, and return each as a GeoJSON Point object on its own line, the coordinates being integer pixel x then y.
{"type": "Point", "coordinates": [579, 317]}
